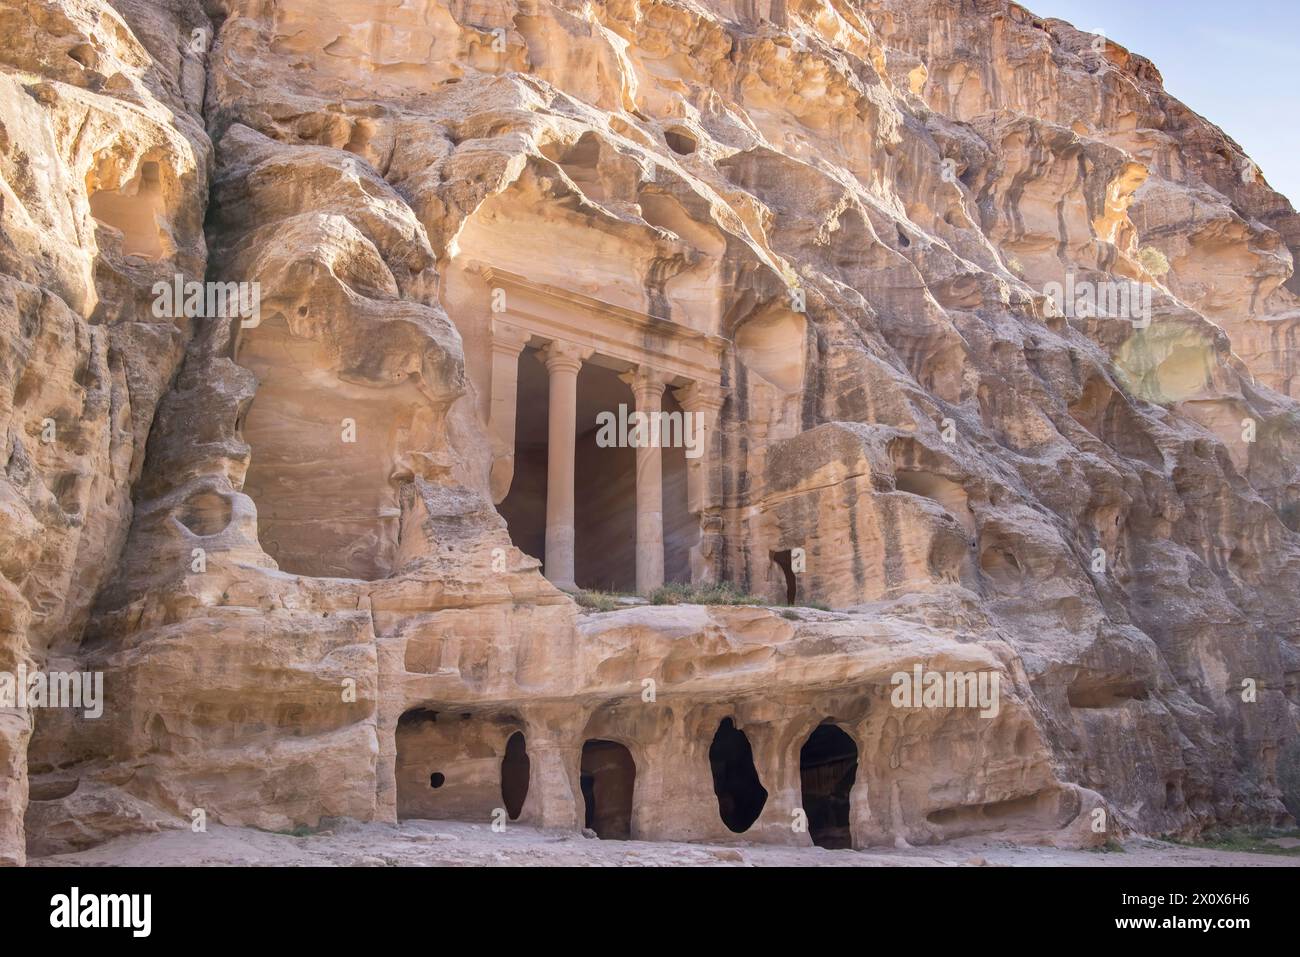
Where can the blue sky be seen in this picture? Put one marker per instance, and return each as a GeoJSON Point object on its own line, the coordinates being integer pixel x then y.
{"type": "Point", "coordinates": [1237, 63]}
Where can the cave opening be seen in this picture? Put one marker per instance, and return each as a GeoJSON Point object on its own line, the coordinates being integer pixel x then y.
{"type": "Point", "coordinates": [680, 141]}
{"type": "Point", "coordinates": [784, 560]}
{"type": "Point", "coordinates": [740, 793]}
{"type": "Point", "coordinates": [828, 766]}
{"type": "Point", "coordinates": [607, 780]}
{"type": "Point", "coordinates": [459, 765]}
{"type": "Point", "coordinates": [515, 767]}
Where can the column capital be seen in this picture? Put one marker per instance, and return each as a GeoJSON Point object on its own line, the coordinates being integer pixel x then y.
{"type": "Point", "coordinates": [700, 397]}
{"type": "Point", "coordinates": [560, 356]}
{"type": "Point", "coordinates": [508, 339]}
{"type": "Point", "coordinates": [647, 384]}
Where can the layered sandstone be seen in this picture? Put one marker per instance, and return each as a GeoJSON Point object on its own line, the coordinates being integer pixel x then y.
{"type": "Point", "coordinates": [307, 551]}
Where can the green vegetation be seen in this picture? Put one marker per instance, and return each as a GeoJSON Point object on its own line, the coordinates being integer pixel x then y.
{"type": "Point", "coordinates": [301, 830]}
{"type": "Point", "coordinates": [719, 594]}
{"type": "Point", "coordinates": [722, 593]}
{"type": "Point", "coordinates": [1111, 846]}
{"type": "Point", "coordinates": [1251, 840]}
{"type": "Point", "coordinates": [1153, 261]}
{"type": "Point", "coordinates": [1288, 777]}
{"type": "Point", "coordinates": [597, 600]}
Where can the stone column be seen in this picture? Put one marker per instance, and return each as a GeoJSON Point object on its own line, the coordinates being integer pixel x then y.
{"type": "Point", "coordinates": [702, 401]}
{"type": "Point", "coordinates": [563, 360]}
{"type": "Point", "coordinates": [507, 342]}
{"type": "Point", "coordinates": [648, 390]}
{"type": "Point", "coordinates": [552, 736]}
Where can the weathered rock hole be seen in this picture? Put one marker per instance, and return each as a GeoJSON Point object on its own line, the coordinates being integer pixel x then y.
{"type": "Point", "coordinates": [935, 487]}
{"type": "Point", "coordinates": [27, 387]}
{"type": "Point", "coordinates": [581, 163]}
{"type": "Point", "coordinates": [1001, 567]}
{"type": "Point", "coordinates": [437, 779]}
{"type": "Point", "coordinates": [1243, 563]}
{"type": "Point", "coordinates": [772, 345]}
{"type": "Point", "coordinates": [828, 766]}
{"type": "Point", "coordinates": [740, 793]}
{"type": "Point", "coordinates": [65, 491]}
{"type": "Point", "coordinates": [1289, 513]}
{"type": "Point", "coordinates": [1111, 695]}
{"type": "Point", "coordinates": [206, 513]}
{"type": "Point", "coordinates": [680, 141]}
{"type": "Point", "coordinates": [134, 210]}
{"type": "Point", "coordinates": [51, 790]}
{"type": "Point", "coordinates": [84, 54]}
{"type": "Point", "coordinates": [1033, 811]}
{"type": "Point", "coordinates": [608, 780]}
{"type": "Point", "coordinates": [359, 137]}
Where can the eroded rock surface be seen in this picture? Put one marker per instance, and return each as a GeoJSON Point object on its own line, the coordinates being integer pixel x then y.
{"type": "Point", "coordinates": [305, 548]}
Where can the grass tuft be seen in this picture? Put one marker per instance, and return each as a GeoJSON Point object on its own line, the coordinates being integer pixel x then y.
{"type": "Point", "coordinates": [597, 600]}
{"type": "Point", "coordinates": [1251, 840]}
{"type": "Point", "coordinates": [722, 593]}
{"type": "Point", "coordinates": [1111, 846]}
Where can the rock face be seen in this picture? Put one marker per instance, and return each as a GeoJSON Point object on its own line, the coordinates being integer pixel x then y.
{"type": "Point", "coordinates": [303, 537]}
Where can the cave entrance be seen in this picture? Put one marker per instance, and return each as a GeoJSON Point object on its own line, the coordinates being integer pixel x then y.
{"type": "Point", "coordinates": [514, 775]}
{"type": "Point", "coordinates": [828, 766]}
{"type": "Point", "coordinates": [608, 778]}
{"type": "Point", "coordinates": [784, 560]}
{"type": "Point", "coordinates": [741, 794]}
{"type": "Point", "coordinates": [459, 765]}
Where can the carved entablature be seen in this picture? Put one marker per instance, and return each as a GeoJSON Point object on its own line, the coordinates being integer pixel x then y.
{"type": "Point", "coordinates": [619, 338]}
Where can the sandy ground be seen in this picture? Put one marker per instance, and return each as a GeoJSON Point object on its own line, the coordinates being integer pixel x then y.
{"type": "Point", "coordinates": [455, 844]}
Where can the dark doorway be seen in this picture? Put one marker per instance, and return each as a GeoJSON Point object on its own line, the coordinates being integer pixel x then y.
{"type": "Point", "coordinates": [604, 488]}
{"type": "Point", "coordinates": [828, 765]}
{"type": "Point", "coordinates": [741, 794]}
{"type": "Point", "coordinates": [785, 561]}
{"type": "Point", "coordinates": [608, 779]}
{"type": "Point", "coordinates": [524, 508]}
{"type": "Point", "coordinates": [514, 775]}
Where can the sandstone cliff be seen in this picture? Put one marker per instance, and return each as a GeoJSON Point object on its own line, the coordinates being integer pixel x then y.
{"type": "Point", "coordinates": [845, 215]}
